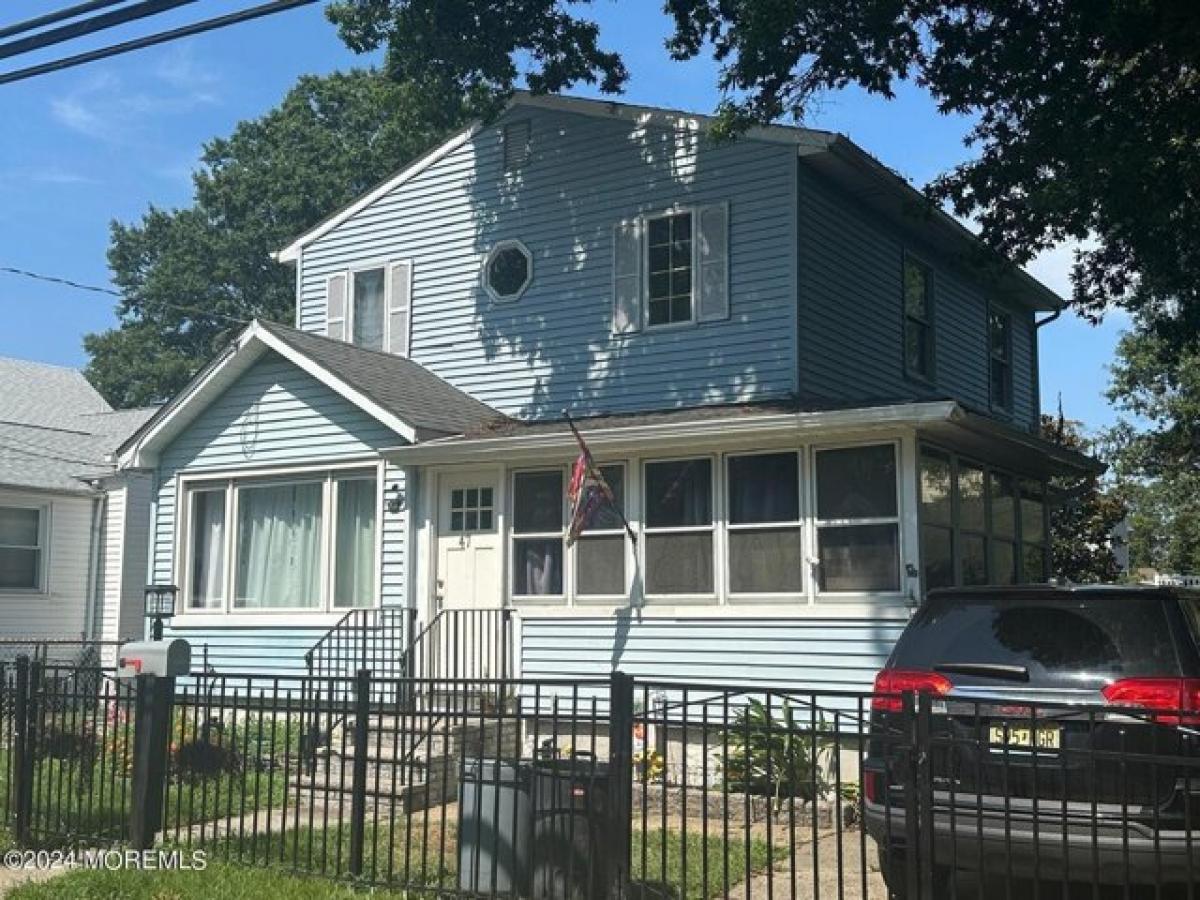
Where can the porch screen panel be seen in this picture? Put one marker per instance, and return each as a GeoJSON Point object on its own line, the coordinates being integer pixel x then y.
{"type": "Point", "coordinates": [537, 546]}
{"type": "Point", "coordinates": [766, 551]}
{"type": "Point", "coordinates": [858, 527]}
{"type": "Point", "coordinates": [355, 574]}
{"type": "Point", "coordinates": [279, 546]}
{"type": "Point", "coordinates": [679, 527]}
{"type": "Point", "coordinates": [937, 519]}
{"type": "Point", "coordinates": [206, 589]}
{"type": "Point", "coordinates": [600, 550]}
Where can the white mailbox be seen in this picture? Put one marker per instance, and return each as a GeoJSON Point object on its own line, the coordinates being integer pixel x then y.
{"type": "Point", "coordinates": [169, 658]}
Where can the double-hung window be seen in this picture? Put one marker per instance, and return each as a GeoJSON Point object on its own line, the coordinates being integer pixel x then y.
{"type": "Point", "coordinates": [367, 308]}
{"type": "Point", "coordinates": [858, 523]}
{"type": "Point", "coordinates": [537, 533]}
{"type": "Point", "coordinates": [600, 550]}
{"type": "Point", "coordinates": [918, 320]}
{"type": "Point", "coordinates": [669, 269]}
{"type": "Point", "coordinates": [1000, 359]}
{"type": "Point", "coordinates": [765, 541]}
{"type": "Point", "coordinates": [304, 542]}
{"type": "Point", "coordinates": [22, 551]}
{"type": "Point", "coordinates": [679, 527]}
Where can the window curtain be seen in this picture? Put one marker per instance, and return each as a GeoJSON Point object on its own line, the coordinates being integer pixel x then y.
{"type": "Point", "coordinates": [279, 546]}
{"type": "Point", "coordinates": [354, 556]}
{"type": "Point", "coordinates": [208, 549]}
{"type": "Point", "coordinates": [542, 574]}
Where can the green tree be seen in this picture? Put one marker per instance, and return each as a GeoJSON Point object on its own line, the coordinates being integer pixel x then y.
{"type": "Point", "coordinates": [1087, 112]}
{"type": "Point", "coordinates": [190, 277]}
{"type": "Point", "coordinates": [1084, 512]}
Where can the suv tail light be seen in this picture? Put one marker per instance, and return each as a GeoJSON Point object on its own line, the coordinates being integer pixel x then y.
{"type": "Point", "coordinates": [1175, 696]}
{"type": "Point", "coordinates": [898, 681]}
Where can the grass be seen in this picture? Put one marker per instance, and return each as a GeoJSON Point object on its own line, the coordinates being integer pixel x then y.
{"type": "Point", "coordinates": [691, 864]}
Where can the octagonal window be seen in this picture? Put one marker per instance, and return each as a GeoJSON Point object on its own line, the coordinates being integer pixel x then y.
{"type": "Point", "coordinates": [508, 270]}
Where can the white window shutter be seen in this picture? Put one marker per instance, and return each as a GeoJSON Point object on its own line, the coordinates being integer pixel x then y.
{"type": "Point", "coordinates": [712, 262]}
{"type": "Point", "coordinates": [399, 320]}
{"type": "Point", "coordinates": [335, 307]}
{"type": "Point", "coordinates": [627, 277]}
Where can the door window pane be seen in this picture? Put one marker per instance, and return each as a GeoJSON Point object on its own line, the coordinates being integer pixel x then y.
{"type": "Point", "coordinates": [679, 563]}
{"type": "Point", "coordinates": [856, 483]}
{"type": "Point", "coordinates": [368, 308]}
{"type": "Point", "coordinates": [937, 546]}
{"type": "Point", "coordinates": [208, 549]}
{"type": "Point", "coordinates": [859, 558]}
{"type": "Point", "coordinates": [279, 546]}
{"type": "Point", "coordinates": [764, 488]}
{"type": "Point", "coordinates": [355, 574]}
{"type": "Point", "coordinates": [679, 493]}
{"type": "Point", "coordinates": [537, 567]}
{"type": "Point", "coordinates": [600, 560]}
{"type": "Point", "coordinates": [766, 560]}
{"type": "Point", "coordinates": [538, 502]}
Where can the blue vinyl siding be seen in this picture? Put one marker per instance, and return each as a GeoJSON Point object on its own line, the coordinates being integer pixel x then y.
{"type": "Point", "coordinates": [266, 650]}
{"type": "Point", "coordinates": [851, 323]}
{"type": "Point", "coordinates": [820, 654]}
{"type": "Point", "coordinates": [554, 347]}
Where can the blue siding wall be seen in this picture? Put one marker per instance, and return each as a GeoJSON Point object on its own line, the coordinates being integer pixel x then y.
{"type": "Point", "coordinates": [851, 318]}
{"type": "Point", "coordinates": [820, 654]}
{"type": "Point", "coordinates": [554, 346]}
{"type": "Point", "coordinates": [273, 414]}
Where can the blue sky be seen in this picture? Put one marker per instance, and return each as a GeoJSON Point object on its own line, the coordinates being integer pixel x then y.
{"type": "Point", "coordinates": [105, 141]}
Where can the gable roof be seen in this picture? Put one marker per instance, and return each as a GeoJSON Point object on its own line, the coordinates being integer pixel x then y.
{"type": "Point", "coordinates": [56, 432]}
{"type": "Point", "coordinates": [398, 392]}
{"type": "Point", "coordinates": [831, 155]}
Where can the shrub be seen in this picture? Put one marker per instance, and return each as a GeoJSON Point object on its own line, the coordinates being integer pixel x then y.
{"type": "Point", "coordinates": [772, 755]}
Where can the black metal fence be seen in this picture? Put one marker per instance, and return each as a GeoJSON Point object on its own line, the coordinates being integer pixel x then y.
{"type": "Point", "coordinates": [614, 787]}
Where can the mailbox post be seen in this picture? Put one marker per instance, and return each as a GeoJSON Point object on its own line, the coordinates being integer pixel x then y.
{"type": "Point", "coordinates": [154, 664]}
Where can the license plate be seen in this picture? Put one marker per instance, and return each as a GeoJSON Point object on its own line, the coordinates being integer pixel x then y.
{"type": "Point", "coordinates": [1026, 737]}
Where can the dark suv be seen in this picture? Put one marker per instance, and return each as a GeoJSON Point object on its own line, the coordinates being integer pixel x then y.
{"type": "Point", "coordinates": [1059, 741]}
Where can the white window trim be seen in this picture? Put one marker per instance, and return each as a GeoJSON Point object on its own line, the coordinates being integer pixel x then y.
{"type": "Point", "coordinates": [718, 516]}
{"type": "Point", "coordinates": [568, 574]}
{"type": "Point", "coordinates": [803, 525]}
{"type": "Point", "coordinates": [495, 250]}
{"type": "Point", "coordinates": [646, 218]}
{"type": "Point", "coordinates": [43, 576]}
{"type": "Point", "coordinates": [818, 523]}
{"type": "Point", "coordinates": [579, 596]}
{"type": "Point", "coordinates": [230, 481]}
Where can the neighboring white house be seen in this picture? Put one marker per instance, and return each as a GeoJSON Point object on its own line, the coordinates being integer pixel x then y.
{"type": "Point", "coordinates": [73, 532]}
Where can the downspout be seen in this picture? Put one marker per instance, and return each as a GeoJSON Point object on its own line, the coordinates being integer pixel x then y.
{"type": "Point", "coordinates": [93, 590]}
{"type": "Point", "coordinates": [1037, 367]}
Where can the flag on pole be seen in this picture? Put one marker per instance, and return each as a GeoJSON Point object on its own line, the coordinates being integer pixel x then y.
{"type": "Point", "coordinates": [588, 491]}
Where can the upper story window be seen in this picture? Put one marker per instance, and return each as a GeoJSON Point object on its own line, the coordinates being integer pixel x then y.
{"type": "Point", "coordinates": [669, 269]}
{"type": "Point", "coordinates": [371, 306]}
{"type": "Point", "coordinates": [507, 271]}
{"type": "Point", "coordinates": [366, 308]}
{"type": "Point", "coordinates": [918, 319]}
{"type": "Point", "coordinates": [1000, 359]}
{"type": "Point", "coordinates": [22, 554]}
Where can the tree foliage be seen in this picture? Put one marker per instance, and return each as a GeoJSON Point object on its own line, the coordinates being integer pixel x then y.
{"type": "Point", "coordinates": [1084, 513]}
{"type": "Point", "coordinates": [1087, 111]}
{"type": "Point", "coordinates": [190, 277]}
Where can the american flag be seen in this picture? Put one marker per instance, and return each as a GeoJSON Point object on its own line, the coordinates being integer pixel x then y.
{"type": "Point", "coordinates": [588, 491]}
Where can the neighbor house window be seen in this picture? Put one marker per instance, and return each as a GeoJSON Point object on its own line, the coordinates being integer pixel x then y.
{"type": "Point", "coordinates": [918, 319]}
{"type": "Point", "coordinates": [307, 542]}
{"type": "Point", "coordinates": [679, 527]}
{"type": "Point", "coordinates": [367, 308]}
{"type": "Point", "coordinates": [537, 534]}
{"type": "Point", "coordinates": [1000, 359]}
{"type": "Point", "coordinates": [600, 550]}
{"type": "Point", "coordinates": [765, 541]}
{"type": "Point", "coordinates": [22, 554]}
{"type": "Point", "coordinates": [858, 525]}
{"type": "Point", "coordinates": [669, 269]}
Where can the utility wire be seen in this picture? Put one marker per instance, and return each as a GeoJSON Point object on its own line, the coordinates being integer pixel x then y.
{"type": "Point", "coordinates": [66, 282]}
{"type": "Point", "coordinates": [90, 25]}
{"type": "Point", "coordinates": [153, 40]}
{"type": "Point", "coordinates": [59, 15]}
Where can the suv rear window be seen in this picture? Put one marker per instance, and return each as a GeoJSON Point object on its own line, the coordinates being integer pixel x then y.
{"type": "Point", "coordinates": [1111, 635]}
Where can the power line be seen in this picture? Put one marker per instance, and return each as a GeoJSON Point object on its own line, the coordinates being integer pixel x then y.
{"type": "Point", "coordinates": [153, 40]}
{"type": "Point", "coordinates": [67, 282]}
{"type": "Point", "coordinates": [90, 25]}
{"type": "Point", "coordinates": [60, 15]}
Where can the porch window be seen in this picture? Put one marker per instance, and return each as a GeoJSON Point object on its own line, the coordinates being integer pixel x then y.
{"type": "Point", "coordinates": [354, 543]}
{"type": "Point", "coordinates": [367, 308]}
{"type": "Point", "coordinates": [1000, 359]}
{"type": "Point", "coordinates": [600, 550]}
{"type": "Point", "coordinates": [937, 519]}
{"type": "Point", "coordinates": [21, 550]}
{"type": "Point", "coordinates": [207, 529]}
{"type": "Point", "coordinates": [766, 551]}
{"type": "Point", "coordinates": [537, 533]}
{"type": "Point", "coordinates": [1035, 562]}
{"type": "Point", "coordinates": [279, 546]}
{"type": "Point", "coordinates": [972, 505]}
{"type": "Point", "coordinates": [679, 527]}
{"type": "Point", "coordinates": [669, 269]}
{"type": "Point", "coordinates": [858, 524]}
{"type": "Point", "coordinates": [1003, 496]}
{"type": "Point", "coordinates": [918, 320]}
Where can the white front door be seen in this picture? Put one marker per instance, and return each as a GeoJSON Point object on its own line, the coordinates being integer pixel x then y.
{"type": "Point", "coordinates": [469, 548]}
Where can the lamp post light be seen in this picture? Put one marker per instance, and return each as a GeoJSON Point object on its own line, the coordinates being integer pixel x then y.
{"type": "Point", "coordinates": [160, 605]}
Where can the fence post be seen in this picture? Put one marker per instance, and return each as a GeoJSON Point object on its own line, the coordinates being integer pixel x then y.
{"type": "Point", "coordinates": [151, 739]}
{"type": "Point", "coordinates": [620, 782]}
{"type": "Point", "coordinates": [23, 751]}
{"type": "Point", "coordinates": [358, 786]}
{"type": "Point", "coordinates": [924, 785]}
{"type": "Point", "coordinates": [913, 872]}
